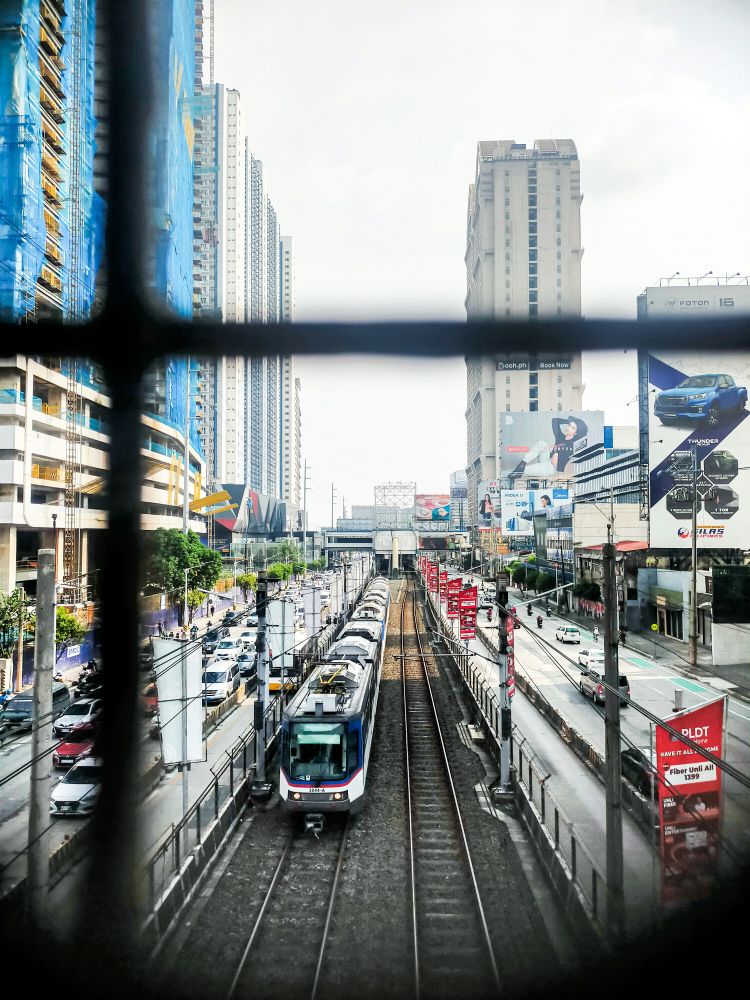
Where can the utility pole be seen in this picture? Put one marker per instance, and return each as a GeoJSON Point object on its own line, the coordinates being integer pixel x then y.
{"type": "Point", "coordinates": [19, 645]}
{"type": "Point", "coordinates": [615, 891]}
{"type": "Point", "coordinates": [185, 474]}
{"type": "Point", "coordinates": [185, 768]}
{"type": "Point", "coordinates": [261, 645]}
{"type": "Point", "coordinates": [693, 632]}
{"type": "Point", "coordinates": [41, 735]}
{"type": "Point", "coordinates": [504, 789]}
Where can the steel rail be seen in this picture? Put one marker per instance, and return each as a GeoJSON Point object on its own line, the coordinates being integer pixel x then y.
{"type": "Point", "coordinates": [454, 799]}
{"type": "Point", "coordinates": [329, 912]}
{"type": "Point", "coordinates": [412, 874]}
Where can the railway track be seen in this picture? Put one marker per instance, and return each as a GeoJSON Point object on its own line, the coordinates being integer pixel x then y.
{"type": "Point", "coordinates": [284, 954]}
{"type": "Point", "coordinates": [452, 948]}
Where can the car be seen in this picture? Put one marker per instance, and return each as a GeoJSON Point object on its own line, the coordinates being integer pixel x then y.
{"type": "Point", "coordinates": [150, 699]}
{"type": "Point", "coordinates": [567, 633]}
{"type": "Point", "coordinates": [77, 793]}
{"type": "Point", "coordinates": [229, 649]}
{"type": "Point", "coordinates": [248, 664]}
{"type": "Point", "coordinates": [703, 398]}
{"type": "Point", "coordinates": [486, 601]}
{"type": "Point", "coordinates": [212, 638]}
{"type": "Point", "coordinates": [233, 618]}
{"type": "Point", "coordinates": [219, 681]}
{"type": "Point", "coordinates": [18, 711]}
{"type": "Point", "coordinates": [72, 749]}
{"type": "Point", "coordinates": [252, 619]}
{"type": "Point", "coordinates": [635, 766]}
{"type": "Point", "coordinates": [248, 637]}
{"type": "Point", "coordinates": [80, 717]}
{"type": "Point", "coordinates": [154, 728]}
{"type": "Point", "coordinates": [591, 657]}
{"type": "Point", "coordinates": [591, 684]}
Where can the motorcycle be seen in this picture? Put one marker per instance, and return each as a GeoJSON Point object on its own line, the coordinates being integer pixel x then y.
{"type": "Point", "coordinates": [529, 612]}
{"type": "Point", "coordinates": [194, 632]}
{"type": "Point", "coordinates": [539, 621]}
{"type": "Point", "coordinates": [489, 614]}
{"type": "Point", "coordinates": [549, 613]}
{"type": "Point", "coordinates": [596, 635]}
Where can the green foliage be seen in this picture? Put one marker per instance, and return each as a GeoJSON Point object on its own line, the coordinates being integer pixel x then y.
{"type": "Point", "coordinates": [279, 571]}
{"type": "Point", "coordinates": [299, 567]}
{"type": "Point", "coordinates": [519, 575]}
{"type": "Point", "coordinates": [68, 628]}
{"type": "Point", "coordinates": [544, 581]}
{"type": "Point", "coordinates": [593, 592]}
{"type": "Point", "coordinates": [531, 578]}
{"type": "Point", "coordinates": [169, 552]}
{"type": "Point", "coordinates": [289, 551]}
{"type": "Point", "coordinates": [247, 582]}
{"type": "Point", "coordinates": [316, 564]}
{"type": "Point", "coordinates": [11, 609]}
{"type": "Point", "coordinates": [531, 558]}
{"type": "Point", "coordinates": [194, 600]}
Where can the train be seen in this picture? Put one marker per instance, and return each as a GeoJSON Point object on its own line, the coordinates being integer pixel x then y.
{"type": "Point", "coordinates": [327, 727]}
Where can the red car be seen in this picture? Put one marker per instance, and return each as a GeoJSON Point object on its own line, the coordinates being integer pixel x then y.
{"type": "Point", "coordinates": [72, 750]}
{"type": "Point", "coordinates": [150, 699]}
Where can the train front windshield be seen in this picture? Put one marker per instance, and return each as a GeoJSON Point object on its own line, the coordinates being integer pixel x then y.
{"type": "Point", "coordinates": [317, 751]}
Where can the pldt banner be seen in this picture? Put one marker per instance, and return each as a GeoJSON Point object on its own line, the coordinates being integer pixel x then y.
{"type": "Point", "coordinates": [467, 613]}
{"type": "Point", "coordinates": [510, 635]}
{"type": "Point", "coordinates": [454, 589]}
{"type": "Point", "coordinates": [690, 803]}
{"type": "Point", "coordinates": [443, 585]}
{"type": "Point", "coordinates": [696, 413]}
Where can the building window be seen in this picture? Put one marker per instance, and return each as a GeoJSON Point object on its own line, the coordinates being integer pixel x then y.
{"type": "Point", "coordinates": [507, 393]}
{"type": "Point", "coordinates": [559, 406]}
{"type": "Point", "coordinates": [507, 407]}
{"type": "Point", "coordinates": [533, 378]}
{"type": "Point", "coordinates": [507, 379]}
{"type": "Point", "coordinates": [559, 378]}
{"type": "Point", "coordinates": [532, 281]}
{"type": "Point", "coordinates": [558, 228]}
{"type": "Point", "coordinates": [533, 295]}
{"type": "Point", "coordinates": [533, 405]}
{"type": "Point", "coordinates": [534, 392]}
{"type": "Point", "coordinates": [507, 270]}
{"type": "Point", "coordinates": [532, 256]}
{"type": "Point", "coordinates": [532, 241]}
{"type": "Point", "coordinates": [507, 243]}
{"type": "Point", "coordinates": [533, 309]}
{"type": "Point", "coordinates": [559, 392]}
{"type": "Point", "coordinates": [559, 241]}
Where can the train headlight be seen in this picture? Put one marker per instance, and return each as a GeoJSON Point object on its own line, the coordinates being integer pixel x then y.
{"type": "Point", "coordinates": [337, 795]}
{"type": "Point", "coordinates": [296, 795]}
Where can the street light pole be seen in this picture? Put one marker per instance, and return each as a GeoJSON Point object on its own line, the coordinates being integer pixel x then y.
{"type": "Point", "coordinates": [185, 474]}
{"type": "Point", "coordinates": [693, 636]}
{"type": "Point", "coordinates": [615, 890]}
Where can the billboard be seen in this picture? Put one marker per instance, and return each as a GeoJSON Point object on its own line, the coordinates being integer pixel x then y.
{"type": "Point", "coordinates": [698, 437]}
{"type": "Point", "coordinates": [488, 503]}
{"type": "Point", "coordinates": [548, 363]}
{"type": "Point", "coordinates": [679, 301]}
{"type": "Point", "coordinates": [179, 684]}
{"type": "Point", "coordinates": [541, 444]}
{"type": "Point", "coordinates": [519, 506]}
{"type": "Point", "coordinates": [432, 507]}
{"type": "Point", "coordinates": [458, 485]}
{"type": "Point", "coordinates": [434, 543]}
{"type": "Point", "coordinates": [690, 804]}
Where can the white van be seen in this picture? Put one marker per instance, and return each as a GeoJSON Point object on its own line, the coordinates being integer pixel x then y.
{"type": "Point", "coordinates": [219, 681]}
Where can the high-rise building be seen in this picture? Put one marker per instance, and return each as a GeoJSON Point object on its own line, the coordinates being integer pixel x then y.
{"type": "Point", "coordinates": [290, 453]}
{"type": "Point", "coordinates": [286, 280]}
{"type": "Point", "coordinates": [523, 261]}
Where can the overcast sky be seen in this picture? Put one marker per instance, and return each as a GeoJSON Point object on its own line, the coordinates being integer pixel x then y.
{"type": "Point", "coordinates": [366, 116]}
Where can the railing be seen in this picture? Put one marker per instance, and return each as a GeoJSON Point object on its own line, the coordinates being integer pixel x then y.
{"type": "Point", "coordinates": [48, 473]}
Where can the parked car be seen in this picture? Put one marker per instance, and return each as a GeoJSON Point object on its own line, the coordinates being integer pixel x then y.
{"type": "Point", "coordinates": [72, 749]}
{"type": "Point", "coordinates": [77, 793]}
{"type": "Point", "coordinates": [220, 682]}
{"type": "Point", "coordinates": [233, 618]}
{"type": "Point", "coordinates": [252, 619]}
{"type": "Point", "coordinates": [591, 658]}
{"type": "Point", "coordinates": [637, 769]}
{"type": "Point", "coordinates": [18, 711]}
{"type": "Point", "coordinates": [248, 637]}
{"type": "Point", "coordinates": [567, 633]}
{"type": "Point", "coordinates": [212, 638]}
{"type": "Point", "coordinates": [486, 601]}
{"type": "Point", "coordinates": [700, 398]}
{"type": "Point", "coordinates": [80, 717]}
{"type": "Point", "coordinates": [591, 684]}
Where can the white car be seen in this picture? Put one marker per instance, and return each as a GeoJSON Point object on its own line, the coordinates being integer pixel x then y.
{"type": "Point", "coordinates": [79, 717]}
{"type": "Point", "coordinates": [591, 657]}
{"type": "Point", "coordinates": [229, 649]}
{"type": "Point", "coordinates": [568, 633]}
{"type": "Point", "coordinates": [77, 793]}
{"type": "Point", "coordinates": [219, 681]}
{"type": "Point", "coordinates": [248, 637]}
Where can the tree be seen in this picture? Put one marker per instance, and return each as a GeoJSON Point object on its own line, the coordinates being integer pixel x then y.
{"type": "Point", "coordinates": [316, 564]}
{"type": "Point", "coordinates": [68, 628]}
{"type": "Point", "coordinates": [289, 551]}
{"type": "Point", "coordinates": [519, 576]}
{"type": "Point", "coordinates": [169, 552]}
{"type": "Point", "coordinates": [593, 592]}
{"type": "Point", "coordinates": [247, 582]}
{"type": "Point", "coordinates": [531, 578]}
{"type": "Point", "coordinates": [194, 600]}
{"type": "Point", "coordinates": [279, 571]}
{"type": "Point", "coordinates": [11, 611]}
{"type": "Point", "coordinates": [544, 581]}
{"type": "Point", "coordinates": [299, 567]}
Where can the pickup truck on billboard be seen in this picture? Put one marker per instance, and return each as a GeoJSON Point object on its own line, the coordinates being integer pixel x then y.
{"type": "Point", "coordinates": [703, 398]}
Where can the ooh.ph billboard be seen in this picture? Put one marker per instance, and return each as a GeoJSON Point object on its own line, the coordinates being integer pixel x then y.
{"type": "Point", "coordinates": [519, 507]}
{"type": "Point", "coordinates": [698, 448]}
{"type": "Point", "coordinates": [541, 445]}
{"type": "Point", "coordinates": [432, 507]}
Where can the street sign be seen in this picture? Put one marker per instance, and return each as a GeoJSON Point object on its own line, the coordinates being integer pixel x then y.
{"type": "Point", "coordinates": [654, 627]}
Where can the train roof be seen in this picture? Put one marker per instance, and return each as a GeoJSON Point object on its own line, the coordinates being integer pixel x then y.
{"type": "Point", "coordinates": [336, 689]}
{"type": "Point", "coordinates": [352, 646]}
{"type": "Point", "coordinates": [366, 629]}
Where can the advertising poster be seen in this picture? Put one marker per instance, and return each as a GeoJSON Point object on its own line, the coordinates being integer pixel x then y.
{"type": "Point", "coordinates": [454, 589]}
{"type": "Point", "coordinates": [432, 507]}
{"type": "Point", "coordinates": [432, 577]}
{"type": "Point", "coordinates": [519, 507]}
{"type": "Point", "coordinates": [443, 585]}
{"type": "Point", "coordinates": [488, 503]}
{"type": "Point", "coordinates": [699, 443]}
{"type": "Point", "coordinates": [510, 634]}
{"type": "Point", "coordinates": [541, 445]}
{"type": "Point", "coordinates": [467, 613]}
{"type": "Point", "coordinates": [441, 542]}
{"type": "Point", "coordinates": [690, 804]}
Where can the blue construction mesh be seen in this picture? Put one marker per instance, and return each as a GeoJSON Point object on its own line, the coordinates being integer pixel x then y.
{"type": "Point", "coordinates": [79, 282]}
{"type": "Point", "coordinates": [22, 228]}
{"type": "Point", "coordinates": [173, 134]}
